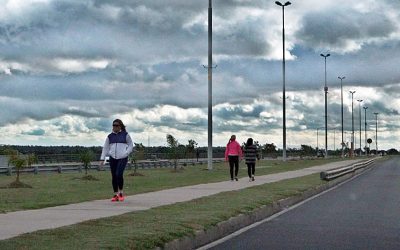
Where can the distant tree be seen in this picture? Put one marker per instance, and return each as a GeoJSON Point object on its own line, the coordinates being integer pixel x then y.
{"type": "Point", "coordinates": [192, 144]}
{"type": "Point", "coordinates": [173, 145]}
{"type": "Point", "coordinates": [270, 148]}
{"type": "Point", "coordinates": [392, 151]}
{"type": "Point", "coordinates": [307, 150]}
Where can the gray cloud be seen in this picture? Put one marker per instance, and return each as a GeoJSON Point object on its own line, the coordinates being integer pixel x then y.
{"type": "Point", "coordinates": [97, 59]}
{"type": "Point", "coordinates": [334, 29]}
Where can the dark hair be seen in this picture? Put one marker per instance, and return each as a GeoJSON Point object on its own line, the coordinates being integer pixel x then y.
{"type": "Point", "coordinates": [233, 137]}
{"type": "Point", "coordinates": [249, 142]}
{"type": "Point", "coordinates": [123, 128]}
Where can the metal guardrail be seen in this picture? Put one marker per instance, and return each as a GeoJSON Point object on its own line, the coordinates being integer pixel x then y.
{"type": "Point", "coordinates": [78, 167]}
{"type": "Point", "coordinates": [335, 173]}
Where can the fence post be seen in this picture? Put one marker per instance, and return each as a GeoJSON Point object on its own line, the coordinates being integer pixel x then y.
{"type": "Point", "coordinates": [59, 169]}
{"type": "Point", "coordinates": [36, 170]}
{"type": "Point", "coordinates": [9, 172]}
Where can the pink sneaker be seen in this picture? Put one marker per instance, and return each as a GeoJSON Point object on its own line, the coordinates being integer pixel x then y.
{"type": "Point", "coordinates": [121, 197]}
{"type": "Point", "coordinates": [115, 198]}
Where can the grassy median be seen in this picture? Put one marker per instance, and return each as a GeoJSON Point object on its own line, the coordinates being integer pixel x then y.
{"type": "Point", "coordinates": [151, 228]}
{"type": "Point", "coordinates": [53, 189]}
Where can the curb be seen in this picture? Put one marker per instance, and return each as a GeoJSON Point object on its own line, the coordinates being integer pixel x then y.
{"type": "Point", "coordinates": [222, 229]}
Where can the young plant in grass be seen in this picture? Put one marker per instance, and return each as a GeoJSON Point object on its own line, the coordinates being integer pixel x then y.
{"type": "Point", "coordinates": [19, 161]}
{"type": "Point", "coordinates": [138, 154]}
{"type": "Point", "coordinates": [173, 145]}
{"type": "Point", "coordinates": [86, 158]}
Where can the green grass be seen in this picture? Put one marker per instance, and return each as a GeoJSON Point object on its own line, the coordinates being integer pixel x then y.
{"type": "Point", "coordinates": [59, 189]}
{"type": "Point", "coordinates": [151, 228]}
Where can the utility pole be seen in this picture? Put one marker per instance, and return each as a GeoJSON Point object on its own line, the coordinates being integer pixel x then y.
{"type": "Point", "coordinates": [359, 106]}
{"type": "Point", "coordinates": [365, 117]}
{"type": "Point", "coordinates": [283, 77]}
{"type": "Point", "coordinates": [341, 97]}
{"type": "Point", "coordinates": [326, 109]}
{"type": "Point", "coordinates": [210, 67]}
{"type": "Point", "coordinates": [376, 133]}
{"type": "Point", "coordinates": [352, 124]}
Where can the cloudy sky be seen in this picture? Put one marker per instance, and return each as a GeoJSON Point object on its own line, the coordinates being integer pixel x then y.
{"type": "Point", "coordinates": [68, 68]}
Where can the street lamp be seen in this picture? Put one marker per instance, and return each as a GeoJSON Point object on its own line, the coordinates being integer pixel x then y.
{"type": "Point", "coordinates": [341, 97]}
{"type": "Point", "coordinates": [352, 124]}
{"type": "Point", "coordinates": [365, 117]}
{"type": "Point", "coordinates": [359, 106]}
{"type": "Point", "coordinates": [209, 67]}
{"type": "Point", "coordinates": [326, 108]}
{"type": "Point", "coordinates": [283, 76]}
{"type": "Point", "coordinates": [376, 133]}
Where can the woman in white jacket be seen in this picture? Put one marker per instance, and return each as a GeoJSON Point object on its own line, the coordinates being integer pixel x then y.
{"type": "Point", "coordinates": [118, 146]}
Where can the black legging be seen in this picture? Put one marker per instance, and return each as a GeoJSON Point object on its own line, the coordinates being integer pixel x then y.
{"type": "Point", "coordinates": [251, 169]}
{"type": "Point", "coordinates": [117, 167]}
{"type": "Point", "coordinates": [233, 162]}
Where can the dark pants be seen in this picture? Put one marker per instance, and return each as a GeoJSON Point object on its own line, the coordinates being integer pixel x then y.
{"type": "Point", "coordinates": [117, 167]}
{"type": "Point", "coordinates": [233, 163]}
{"type": "Point", "coordinates": [251, 169]}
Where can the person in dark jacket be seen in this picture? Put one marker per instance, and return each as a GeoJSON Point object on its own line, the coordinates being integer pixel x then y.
{"type": "Point", "coordinates": [250, 156]}
{"type": "Point", "coordinates": [118, 146]}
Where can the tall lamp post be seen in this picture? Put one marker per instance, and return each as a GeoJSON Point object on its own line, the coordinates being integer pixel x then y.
{"type": "Point", "coordinates": [317, 141]}
{"type": "Point", "coordinates": [359, 106]}
{"type": "Point", "coordinates": [326, 109]}
{"type": "Point", "coordinates": [341, 97]}
{"type": "Point", "coordinates": [376, 133]}
{"type": "Point", "coordinates": [283, 76]}
{"type": "Point", "coordinates": [210, 67]}
{"type": "Point", "coordinates": [352, 123]}
{"type": "Point", "coordinates": [365, 117]}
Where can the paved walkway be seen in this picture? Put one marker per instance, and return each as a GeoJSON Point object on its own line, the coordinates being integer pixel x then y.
{"type": "Point", "coordinates": [20, 222]}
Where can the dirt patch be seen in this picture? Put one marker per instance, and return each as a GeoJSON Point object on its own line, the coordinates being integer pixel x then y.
{"type": "Point", "coordinates": [86, 178]}
{"type": "Point", "coordinates": [17, 184]}
{"type": "Point", "coordinates": [136, 174]}
{"type": "Point", "coordinates": [178, 170]}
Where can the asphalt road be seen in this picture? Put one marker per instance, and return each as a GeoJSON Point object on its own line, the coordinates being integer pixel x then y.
{"type": "Point", "coordinates": [363, 213]}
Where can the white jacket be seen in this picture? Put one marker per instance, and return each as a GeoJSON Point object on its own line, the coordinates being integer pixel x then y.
{"type": "Point", "coordinates": [117, 150]}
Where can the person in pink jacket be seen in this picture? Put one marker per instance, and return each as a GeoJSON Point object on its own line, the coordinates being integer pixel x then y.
{"type": "Point", "coordinates": [232, 154]}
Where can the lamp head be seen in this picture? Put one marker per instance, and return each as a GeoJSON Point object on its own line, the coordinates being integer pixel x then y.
{"type": "Point", "coordinates": [278, 3]}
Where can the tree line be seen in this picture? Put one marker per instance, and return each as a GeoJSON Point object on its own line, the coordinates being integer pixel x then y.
{"type": "Point", "coordinates": [183, 150]}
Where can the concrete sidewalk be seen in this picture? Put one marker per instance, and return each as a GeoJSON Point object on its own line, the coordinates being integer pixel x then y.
{"type": "Point", "coordinates": [20, 222]}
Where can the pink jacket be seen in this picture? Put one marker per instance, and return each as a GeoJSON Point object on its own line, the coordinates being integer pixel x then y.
{"type": "Point", "coordinates": [233, 148]}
